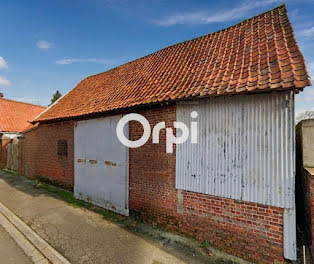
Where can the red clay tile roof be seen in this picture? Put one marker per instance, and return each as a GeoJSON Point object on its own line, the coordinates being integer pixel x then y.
{"type": "Point", "coordinates": [14, 116]}
{"type": "Point", "coordinates": [256, 55]}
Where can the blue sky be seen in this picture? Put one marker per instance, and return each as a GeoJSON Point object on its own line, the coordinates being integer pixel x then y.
{"type": "Point", "coordinates": [52, 45]}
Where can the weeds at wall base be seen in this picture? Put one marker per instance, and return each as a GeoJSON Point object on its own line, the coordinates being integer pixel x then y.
{"type": "Point", "coordinates": [53, 182]}
{"type": "Point", "coordinates": [10, 172]}
{"type": "Point", "coordinates": [134, 217]}
{"type": "Point", "coordinates": [71, 200]}
{"type": "Point", "coordinates": [106, 214]}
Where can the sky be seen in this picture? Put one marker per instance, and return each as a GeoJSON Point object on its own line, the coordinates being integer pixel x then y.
{"type": "Point", "coordinates": [52, 45]}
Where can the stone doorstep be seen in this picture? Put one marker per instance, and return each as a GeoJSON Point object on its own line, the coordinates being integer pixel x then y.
{"type": "Point", "coordinates": [31, 243]}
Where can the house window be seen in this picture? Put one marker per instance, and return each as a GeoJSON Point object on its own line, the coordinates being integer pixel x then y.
{"type": "Point", "coordinates": [62, 148]}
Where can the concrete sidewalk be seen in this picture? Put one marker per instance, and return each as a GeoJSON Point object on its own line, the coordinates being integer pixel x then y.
{"type": "Point", "coordinates": [83, 236]}
{"type": "Point", "coordinates": [10, 252]}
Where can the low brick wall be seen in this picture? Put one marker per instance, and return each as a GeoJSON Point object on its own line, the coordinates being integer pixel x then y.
{"type": "Point", "coordinates": [40, 157]}
{"type": "Point", "coordinates": [251, 231]}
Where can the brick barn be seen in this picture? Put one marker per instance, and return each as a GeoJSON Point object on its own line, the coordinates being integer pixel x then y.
{"type": "Point", "coordinates": [235, 187]}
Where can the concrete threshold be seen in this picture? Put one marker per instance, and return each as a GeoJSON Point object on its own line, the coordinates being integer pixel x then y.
{"type": "Point", "coordinates": [29, 241]}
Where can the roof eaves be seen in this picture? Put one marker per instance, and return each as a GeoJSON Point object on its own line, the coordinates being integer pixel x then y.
{"type": "Point", "coordinates": [162, 103]}
{"type": "Point", "coordinates": [48, 108]}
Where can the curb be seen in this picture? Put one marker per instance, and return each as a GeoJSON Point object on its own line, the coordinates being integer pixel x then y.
{"type": "Point", "coordinates": [22, 242]}
{"type": "Point", "coordinates": [34, 240]}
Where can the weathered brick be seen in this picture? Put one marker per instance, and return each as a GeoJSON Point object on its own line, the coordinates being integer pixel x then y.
{"type": "Point", "coordinates": [40, 158]}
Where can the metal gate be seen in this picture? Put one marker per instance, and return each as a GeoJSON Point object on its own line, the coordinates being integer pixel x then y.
{"type": "Point", "coordinates": [101, 174]}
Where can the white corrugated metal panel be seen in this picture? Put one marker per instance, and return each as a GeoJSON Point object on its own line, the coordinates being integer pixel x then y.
{"type": "Point", "coordinates": [245, 148]}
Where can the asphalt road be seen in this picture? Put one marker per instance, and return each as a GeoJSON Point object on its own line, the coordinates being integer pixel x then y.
{"type": "Point", "coordinates": [10, 252]}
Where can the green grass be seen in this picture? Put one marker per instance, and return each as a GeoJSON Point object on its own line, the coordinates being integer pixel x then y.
{"type": "Point", "coordinates": [109, 215]}
{"type": "Point", "coordinates": [205, 244]}
{"type": "Point", "coordinates": [53, 182]}
{"type": "Point", "coordinates": [66, 195]}
{"type": "Point", "coordinates": [10, 172]}
{"type": "Point", "coordinates": [71, 200]}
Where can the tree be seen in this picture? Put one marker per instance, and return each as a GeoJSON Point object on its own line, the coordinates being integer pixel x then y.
{"type": "Point", "coordinates": [55, 97]}
{"type": "Point", "coordinates": [304, 116]}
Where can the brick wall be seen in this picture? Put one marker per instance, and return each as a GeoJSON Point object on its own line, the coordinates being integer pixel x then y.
{"type": "Point", "coordinates": [40, 157]}
{"type": "Point", "coordinates": [4, 144]}
{"type": "Point", "coordinates": [251, 231]}
{"type": "Point", "coordinates": [152, 171]}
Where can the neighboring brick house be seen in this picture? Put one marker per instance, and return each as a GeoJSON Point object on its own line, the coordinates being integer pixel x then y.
{"type": "Point", "coordinates": [14, 118]}
{"type": "Point", "coordinates": [235, 187]}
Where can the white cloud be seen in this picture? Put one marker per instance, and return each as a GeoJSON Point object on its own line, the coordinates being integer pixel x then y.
{"type": "Point", "coordinates": [4, 81]}
{"type": "Point", "coordinates": [43, 44]}
{"type": "Point", "coordinates": [208, 16]}
{"type": "Point", "coordinates": [308, 32]}
{"type": "Point", "coordinates": [307, 96]}
{"type": "Point", "coordinates": [3, 63]}
{"type": "Point", "coordinates": [310, 67]}
{"type": "Point", "coordinates": [69, 61]}
{"type": "Point", "coordinates": [308, 99]}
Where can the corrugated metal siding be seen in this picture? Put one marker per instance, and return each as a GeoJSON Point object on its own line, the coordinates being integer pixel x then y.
{"type": "Point", "coordinates": [245, 148]}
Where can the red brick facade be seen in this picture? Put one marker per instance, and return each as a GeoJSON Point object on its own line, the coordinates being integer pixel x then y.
{"type": "Point", "coordinates": [249, 230]}
{"type": "Point", "coordinates": [152, 171]}
{"type": "Point", "coordinates": [3, 161]}
{"type": "Point", "coordinates": [40, 157]}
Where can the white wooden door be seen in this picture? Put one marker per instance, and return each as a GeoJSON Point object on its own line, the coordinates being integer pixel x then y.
{"type": "Point", "coordinates": [101, 164]}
